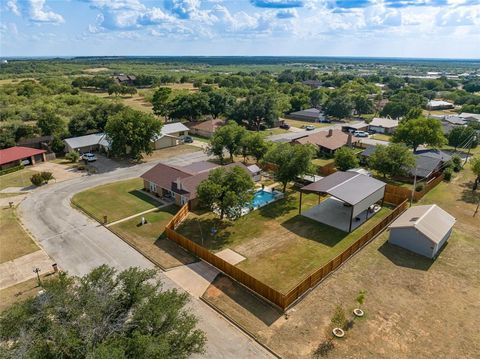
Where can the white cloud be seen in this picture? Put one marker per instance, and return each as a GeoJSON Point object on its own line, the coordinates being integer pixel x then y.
{"type": "Point", "coordinates": [38, 13]}
{"type": "Point", "coordinates": [13, 7]}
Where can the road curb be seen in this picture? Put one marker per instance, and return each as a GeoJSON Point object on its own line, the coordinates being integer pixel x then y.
{"type": "Point", "coordinates": [239, 326]}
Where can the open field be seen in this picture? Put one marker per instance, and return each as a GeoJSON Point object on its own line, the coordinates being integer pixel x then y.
{"type": "Point", "coordinates": [95, 70]}
{"type": "Point", "coordinates": [16, 179]}
{"type": "Point", "coordinates": [12, 81]}
{"type": "Point", "coordinates": [21, 291]}
{"type": "Point", "coordinates": [148, 239]}
{"type": "Point", "coordinates": [168, 152]}
{"type": "Point", "coordinates": [14, 241]}
{"type": "Point", "coordinates": [414, 306]}
{"type": "Point", "coordinates": [281, 246]}
{"type": "Point", "coordinates": [116, 200]}
{"type": "Point", "coordinates": [137, 101]}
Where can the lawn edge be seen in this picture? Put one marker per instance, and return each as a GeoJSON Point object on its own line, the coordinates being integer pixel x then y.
{"type": "Point", "coordinates": [239, 326]}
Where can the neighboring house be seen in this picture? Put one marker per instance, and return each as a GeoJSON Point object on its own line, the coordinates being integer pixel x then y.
{"type": "Point", "coordinates": [314, 84]}
{"type": "Point", "coordinates": [450, 122]}
{"type": "Point", "coordinates": [125, 79]}
{"type": "Point", "coordinates": [428, 163]}
{"type": "Point", "coordinates": [170, 135]}
{"type": "Point", "coordinates": [311, 114]}
{"type": "Point", "coordinates": [470, 117]}
{"type": "Point", "coordinates": [205, 128]}
{"type": "Point", "coordinates": [352, 127]}
{"type": "Point", "coordinates": [328, 141]}
{"type": "Point", "coordinates": [179, 184]}
{"type": "Point", "coordinates": [19, 155]}
{"type": "Point", "coordinates": [367, 152]}
{"type": "Point", "coordinates": [256, 172]}
{"type": "Point", "coordinates": [383, 125]}
{"type": "Point", "coordinates": [422, 229]}
{"type": "Point", "coordinates": [439, 105]}
{"type": "Point", "coordinates": [88, 143]}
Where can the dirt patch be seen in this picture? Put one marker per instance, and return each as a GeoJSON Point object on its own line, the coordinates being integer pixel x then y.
{"type": "Point", "coordinates": [94, 70]}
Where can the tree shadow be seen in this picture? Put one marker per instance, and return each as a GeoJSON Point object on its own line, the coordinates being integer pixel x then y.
{"type": "Point", "coordinates": [146, 198]}
{"type": "Point", "coordinates": [211, 233]}
{"type": "Point", "coordinates": [278, 208]}
{"type": "Point", "coordinates": [469, 196]}
{"type": "Point", "coordinates": [404, 258]}
{"type": "Point", "coordinates": [175, 251]}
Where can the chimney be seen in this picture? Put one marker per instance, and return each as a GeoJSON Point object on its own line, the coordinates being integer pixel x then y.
{"type": "Point", "coordinates": [179, 184]}
{"type": "Point", "coordinates": [349, 140]}
{"type": "Point", "coordinates": [330, 133]}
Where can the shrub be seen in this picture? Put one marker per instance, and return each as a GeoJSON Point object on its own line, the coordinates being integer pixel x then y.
{"type": "Point", "coordinates": [72, 156]}
{"type": "Point", "coordinates": [339, 319]}
{"type": "Point", "coordinates": [360, 297]}
{"type": "Point", "coordinates": [447, 174]}
{"type": "Point", "coordinates": [456, 163]}
{"type": "Point", "coordinates": [11, 169]}
{"type": "Point", "coordinates": [37, 179]}
{"type": "Point", "coordinates": [419, 187]}
{"type": "Point", "coordinates": [47, 176]}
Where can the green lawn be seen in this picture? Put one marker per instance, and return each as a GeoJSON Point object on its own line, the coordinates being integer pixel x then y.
{"type": "Point", "coordinates": [320, 162]}
{"type": "Point", "coordinates": [381, 137]}
{"type": "Point", "coordinates": [16, 179]}
{"type": "Point", "coordinates": [116, 200]}
{"type": "Point", "coordinates": [149, 239]}
{"type": "Point", "coordinates": [281, 247]}
{"type": "Point", "coordinates": [14, 241]}
{"type": "Point", "coordinates": [200, 139]}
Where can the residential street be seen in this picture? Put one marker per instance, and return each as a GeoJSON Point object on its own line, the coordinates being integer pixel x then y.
{"type": "Point", "coordinates": [79, 244]}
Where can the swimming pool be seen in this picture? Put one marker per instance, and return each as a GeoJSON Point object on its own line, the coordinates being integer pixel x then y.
{"type": "Point", "coordinates": [261, 198]}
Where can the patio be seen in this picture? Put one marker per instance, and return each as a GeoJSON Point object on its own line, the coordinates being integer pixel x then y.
{"type": "Point", "coordinates": [336, 213]}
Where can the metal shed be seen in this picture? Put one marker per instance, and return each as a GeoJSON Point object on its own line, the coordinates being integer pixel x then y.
{"type": "Point", "coordinates": [352, 199]}
{"type": "Point", "coordinates": [422, 229]}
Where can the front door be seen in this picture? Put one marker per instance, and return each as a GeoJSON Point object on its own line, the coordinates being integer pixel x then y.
{"type": "Point", "coordinates": [153, 187]}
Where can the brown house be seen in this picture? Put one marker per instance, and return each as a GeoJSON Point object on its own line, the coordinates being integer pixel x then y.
{"type": "Point", "coordinates": [205, 128]}
{"type": "Point", "coordinates": [328, 141]}
{"type": "Point", "coordinates": [179, 183]}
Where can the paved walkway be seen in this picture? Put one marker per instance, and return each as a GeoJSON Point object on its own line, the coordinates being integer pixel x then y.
{"type": "Point", "coordinates": [21, 269]}
{"type": "Point", "coordinates": [78, 244]}
{"type": "Point", "coordinates": [194, 278]}
{"type": "Point", "coordinates": [138, 214]}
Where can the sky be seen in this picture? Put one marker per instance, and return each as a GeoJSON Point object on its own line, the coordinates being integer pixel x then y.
{"type": "Point", "coordinates": [371, 28]}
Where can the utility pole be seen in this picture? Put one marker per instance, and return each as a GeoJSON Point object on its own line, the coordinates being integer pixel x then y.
{"type": "Point", "coordinates": [414, 185]}
{"type": "Point", "coordinates": [468, 152]}
{"type": "Point", "coordinates": [37, 271]}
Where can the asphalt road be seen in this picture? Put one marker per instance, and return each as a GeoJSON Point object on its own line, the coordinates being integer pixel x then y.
{"type": "Point", "coordinates": [79, 244]}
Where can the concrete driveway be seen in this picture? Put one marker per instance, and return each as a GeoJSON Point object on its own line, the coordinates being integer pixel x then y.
{"type": "Point", "coordinates": [78, 244]}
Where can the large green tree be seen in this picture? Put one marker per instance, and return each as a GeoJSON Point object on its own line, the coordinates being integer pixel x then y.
{"type": "Point", "coordinates": [475, 165]}
{"type": "Point", "coordinates": [253, 144]}
{"type": "Point", "coordinates": [419, 131]}
{"type": "Point", "coordinates": [190, 106]}
{"type": "Point", "coordinates": [345, 159]}
{"type": "Point", "coordinates": [339, 105]}
{"type": "Point", "coordinates": [227, 138]}
{"type": "Point", "coordinates": [104, 314]}
{"type": "Point", "coordinates": [226, 190]}
{"type": "Point", "coordinates": [290, 161]}
{"type": "Point", "coordinates": [464, 137]}
{"type": "Point", "coordinates": [131, 133]}
{"type": "Point", "coordinates": [160, 101]}
{"type": "Point", "coordinates": [392, 160]}
{"type": "Point", "coordinates": [50, 123]}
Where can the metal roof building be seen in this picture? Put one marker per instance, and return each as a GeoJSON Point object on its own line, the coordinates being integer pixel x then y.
{"type": "Point", "coordinates": [352, 199]}
{"type": "Point", "coordinates": [422, 229]}
{"type": "Point", "coordinates": [87, 143]}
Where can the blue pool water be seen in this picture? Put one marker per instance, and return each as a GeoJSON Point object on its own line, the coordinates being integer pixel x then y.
{"type": "Point", "coordinates": [261, 198]}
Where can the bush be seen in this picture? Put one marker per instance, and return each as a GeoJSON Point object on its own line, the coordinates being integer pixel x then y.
{"type": "Point", "coordinates": [447, 174]}
{"type": "Point", "coordinates": [37, 179]}
{"type": "Point", "coordinates": [47, 176]}
{"type": "Point", "coordinates": [11, 169]}
{"type": "Point", "coordinates": [72, 156]}
{"type": "Point", "coordinates": [456, 163]}
{"type": "Point", "coordinates": [419, 187]}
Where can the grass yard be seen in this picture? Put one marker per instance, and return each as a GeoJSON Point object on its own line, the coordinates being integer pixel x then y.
{"type": "Point", "coordinates": [381, 137]}
{"type": "Point", "coordinates": [320, 162]}
{"type": "Point", "coordinates": [300, 124]}
{"type": "Point", "coordinates": [16, 179]}
{"type": "Point", "coordinates": [116, 200]}
{"type": "Point", "coordinates": [149, 239]}
{"type": "Point", "coordinates": [200, 138]}
{"type": "Point", "coordinates": [170, 152]}
{"type": "Point", "coordinates": [281, 247]}
{"type": "Point", "coordinates": [14, 241]}
{"type": "Point", "coordinates": [272, 131]}
{"type": "Point", "coordinates": [413, 306]}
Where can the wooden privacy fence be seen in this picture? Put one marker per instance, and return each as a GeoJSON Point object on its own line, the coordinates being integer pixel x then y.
{"type": "Point", "coordinates": [278, 298]}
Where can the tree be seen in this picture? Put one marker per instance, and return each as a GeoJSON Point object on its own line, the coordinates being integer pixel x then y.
{"type": "Point", "coordinates": [419, 131]}
{"type": "Point", "coordinates": [47, 176]}
{"type": "Point", "coordinates": [131, 133]}
{"type": "Point", "coordinates": [189, 106]}
{"type": "Point", "coordinates": [253, 144]}
{"type": "Point", "coordinates": [229, 138]}
{"type": "Point", "coordinates": [464, 137]}
{"type": "Point", "coordinates": [50, 123]}
{"type": "Point", "coordinates": [227, 190]}
{"type": "Point", "coordinates": [160, 101]}
{"type": "Point", "coordinates": [103, 314]}
{"type": "Point", "coordinates": [475, 165]}
{"type": "Point", "coordinates": [345, 159]}
{"type": "Point", "coordinates": [72, 156]}
{"type": "Point", "coordinates": [392, 160]}
{"type": "Point", "coordinates": [290, 161]}
{"type": "Point", "coordinates": [339, 106]}
{"type": "Point", "coordinates": [219, 103]}
{"type": "Point", "coordinates": [362, 104]}
{"type": "Point", "coordinates": [81, 123]}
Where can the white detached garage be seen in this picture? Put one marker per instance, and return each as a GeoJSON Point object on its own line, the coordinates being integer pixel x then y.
{"type": "Point", "coordinates": [422, 229]}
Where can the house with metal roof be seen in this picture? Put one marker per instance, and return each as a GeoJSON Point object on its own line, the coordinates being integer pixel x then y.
{"type": "Point", "coordinates": [470, 117]}
{"type": "Point", "coordinates": [422, 229]}
{"type": "Point", "coordinates": [439, 105]}
{"type": "Point", "coordinates": [88, 143]}
{"type": "Point", "coordinates": [170, 135]}
{"type": "Point", "coordinates": [310, 114]}
{"type": "Point", "coordinates": [352, 198]}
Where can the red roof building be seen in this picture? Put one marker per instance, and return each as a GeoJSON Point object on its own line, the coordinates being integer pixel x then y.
{"type": "Point", "coordinates": [14, 155]}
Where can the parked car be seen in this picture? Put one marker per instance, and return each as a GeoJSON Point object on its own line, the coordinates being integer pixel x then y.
{"type": "Point", "coordinates": [360, 134]}
{"type": "Point", "coordinates": [310, 128]}
{"type": "Point", "coordinates": [372, 132]}
{"type": "Point", "coordinates": [89, 157]}
{"type": "Point", "coordinates": [187, 139]}
{"type": "Point", "coordinates": [325, 120]}
{"type": "Point", "coordinates": [285, 126]}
